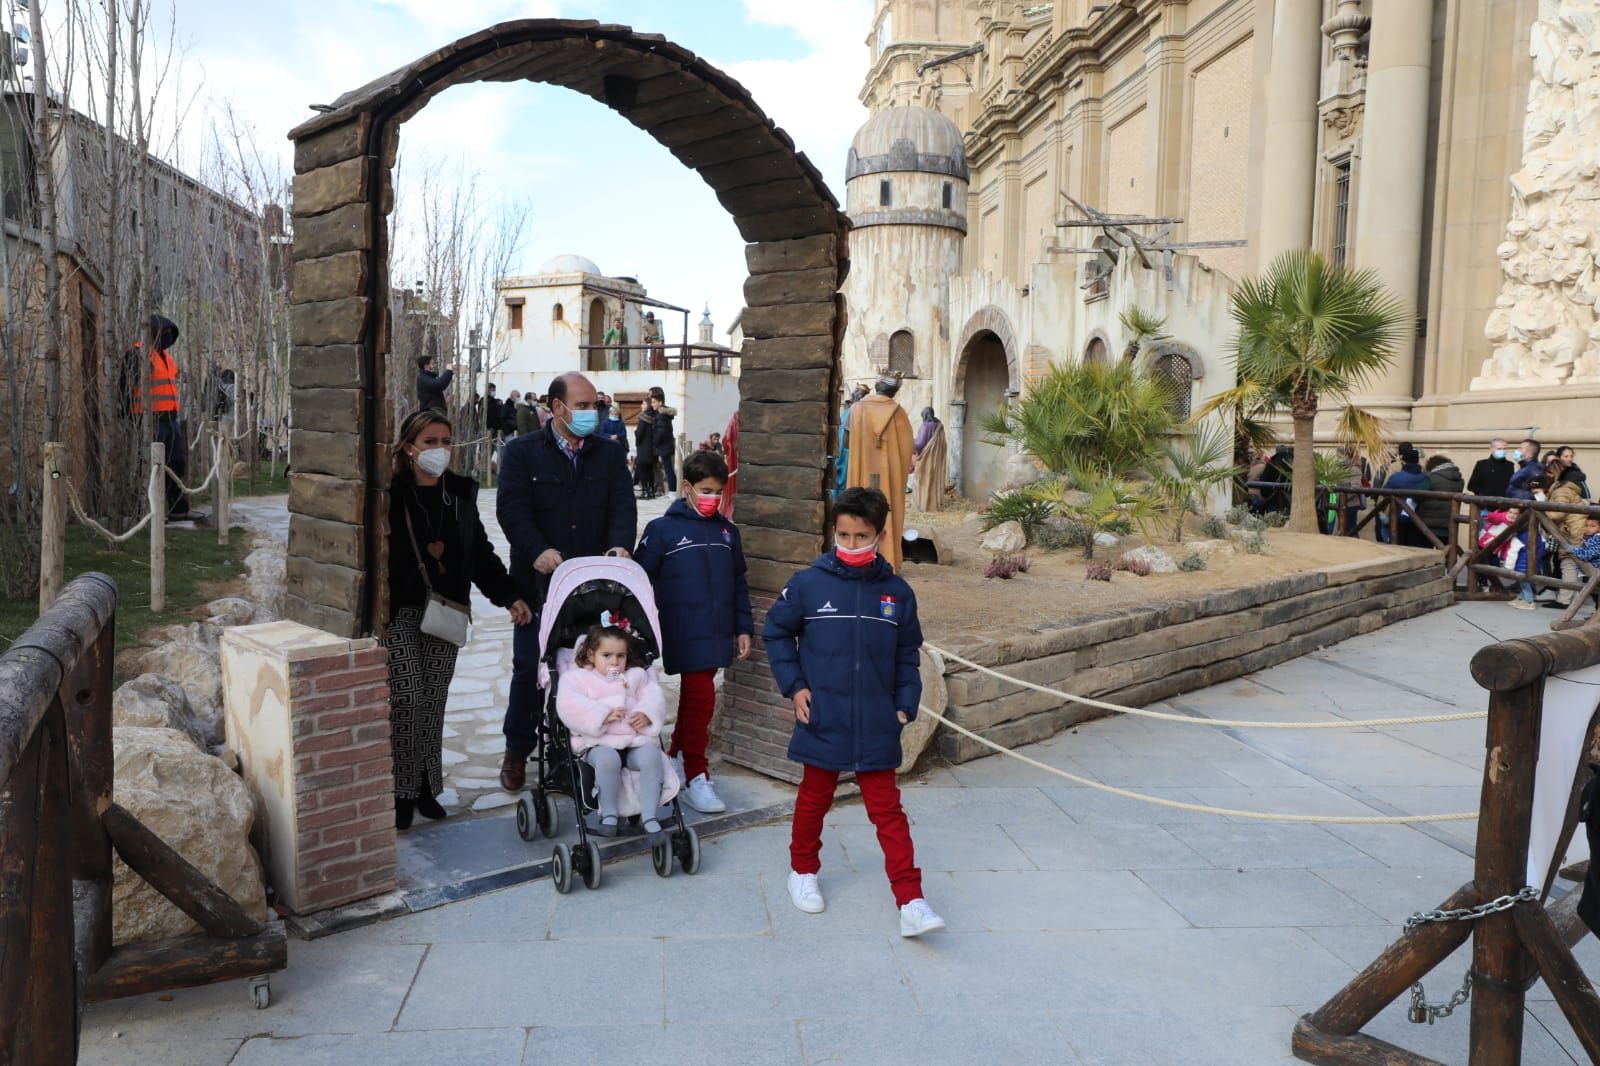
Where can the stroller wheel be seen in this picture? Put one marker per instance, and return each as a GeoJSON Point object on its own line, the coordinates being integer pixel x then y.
{"type": "Point", "coordinates": [561, 869]}
{"type": "Point", "coordinates": [689, 851]}
{"type": "Point", "coordinates": [661, 858]}
{"type": "Point", "coordinates": [527, 818]}
{"type": "Point", "coordinates": [591, 875]}
{"type": "Point", "coordinates": [546, 813]}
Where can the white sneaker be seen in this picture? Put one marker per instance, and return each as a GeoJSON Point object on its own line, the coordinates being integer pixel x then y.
{"type": "Point", "coordinates": [806, 894]}
{"type": "Point", "coordinates": [703, 797]}
{"type": "Point", "coordinates": [917, 918]}
{"type": "Point", "coordinates": [1522, 605]}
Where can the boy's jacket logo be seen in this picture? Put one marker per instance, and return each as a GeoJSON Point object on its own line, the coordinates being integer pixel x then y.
{"type": "Point", "coordinates": [684, 541]}
{"type": "Point", "coordinates": [828, 608]}
{"type": "Point", "coordinates": [886, 606]}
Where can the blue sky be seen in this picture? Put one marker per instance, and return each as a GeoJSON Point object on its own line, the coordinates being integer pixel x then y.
{"type": "Point", "coordinates": [598, 186]}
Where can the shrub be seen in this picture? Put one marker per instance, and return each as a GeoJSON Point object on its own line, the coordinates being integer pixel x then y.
{"type": "Point", "coordinates": [1006, 566]}
{"type": "Point", "coordinates": [1235, 516]}
{"type": "Point", "coordinates": [1214, 528]}
{"type": "Point", "coordinates": [1274, 520]}
{"type": "Point", "coordinates": [1253, 524]}
{"type": "Point", "coordinates": [1025, 509]}
{"type": "Point", "coordinates": [1254, 544]}
{"type": "Point", "coordinates": [1192, 562]}
{"type": "Point", "coordinates": [1136, 567]}
{"type": "Point", "coordinates": [1097, 572]}
{"type": "Point", "coordinates": [1119, 526]}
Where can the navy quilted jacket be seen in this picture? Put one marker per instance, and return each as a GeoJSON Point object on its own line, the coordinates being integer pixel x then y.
{"type": "Point", "coordinates": [850, 635]}
{"type": "Point", "coordinates": [696, 565]}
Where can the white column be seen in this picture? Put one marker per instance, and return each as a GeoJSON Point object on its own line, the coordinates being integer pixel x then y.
{"type": "Point", "coordinates": [956, 431]}
{"type": "Point", "coordinates": [1394, 154]}
{"type": "Point", "coordinates": [1289, 164]}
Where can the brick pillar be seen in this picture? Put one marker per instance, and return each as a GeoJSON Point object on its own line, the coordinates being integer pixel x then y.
{"type": "Point", "coordinates": [754, 721]}
{"type": "Point", "coordinates": [308, 715]}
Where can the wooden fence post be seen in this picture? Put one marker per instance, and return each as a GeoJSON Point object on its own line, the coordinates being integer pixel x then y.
{"type": "Point", "coordinates": [224, 480]}
{"type": "Point", "coordinates": [158, 526]}
{"type": "Point", "coordinates": [53, 526]}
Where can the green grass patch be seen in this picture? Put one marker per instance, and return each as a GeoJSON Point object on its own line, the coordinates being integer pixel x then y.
{"type": "Point", "coordinates": [196, 566]}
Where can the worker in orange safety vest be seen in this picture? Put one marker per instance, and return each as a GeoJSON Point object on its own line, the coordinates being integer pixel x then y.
{"type": "Point", "coordinates": [158, 395]}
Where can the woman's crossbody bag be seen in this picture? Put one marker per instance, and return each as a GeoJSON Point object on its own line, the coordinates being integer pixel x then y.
{"type": "Point", "coordinates": [442, 618]}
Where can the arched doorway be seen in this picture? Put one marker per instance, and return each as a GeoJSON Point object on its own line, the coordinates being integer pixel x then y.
{"type": "Point", "coordinates": [1096, 352]}
{"type": "Point", "coordinates": [597, 334]}
{"type": "Point", "coordinates": [343, 191]}
{"type": "Point", "coordinates": [986, 381]}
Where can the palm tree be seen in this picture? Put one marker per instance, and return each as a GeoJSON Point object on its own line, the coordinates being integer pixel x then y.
{"type": "Point", "coordinates": [1312, 333]}
{"type": "Point", "coordinates": [1142, 328]}
{"type": "Point", "coordinates": [1110, 418]}
{"type": "Point", "coordinates": [1193, 470]}
{"type": "Point", "coordinates": [1101, 502]}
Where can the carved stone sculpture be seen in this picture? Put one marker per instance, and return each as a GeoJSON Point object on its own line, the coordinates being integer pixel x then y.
{"type": "Point", "coordinates": [1544, 327]}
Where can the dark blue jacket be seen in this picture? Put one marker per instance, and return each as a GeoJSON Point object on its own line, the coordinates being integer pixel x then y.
{"type": "Point", "coordinates": [1521, 486]}
{"type": "Point", "coordinates": [1409, 476]}
{"type": "Point", "coordinates": [546, 502]}
{"type": "Point", "coordinates": [616, 429]}
{"type": "Point", "coordinates": [697, 567]}
{"type": "Point", "coordinates": [431, 388]}
{"type": "Point", "coordinates": [850, 635]}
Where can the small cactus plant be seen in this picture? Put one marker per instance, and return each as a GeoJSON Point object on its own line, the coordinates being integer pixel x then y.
{"type": "Point", "coordinates": [1214, 528]}
{"type": "Point", "coordinates": [1254, 544]}
{"type": "Point", "coordinates": [1097, 572]}
{"type": "Point", "coordinates": [1005, 566]}
{"type": "Point", "coordinates": [1136, 567]}
{"type": "Point", "coordinates": [1192, 562]}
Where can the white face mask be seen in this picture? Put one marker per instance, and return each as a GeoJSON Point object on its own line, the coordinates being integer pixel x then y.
{"type": "Point", "coordinates": [434, 461]}
{"type": "Point", "coordinates": [1538, 495]}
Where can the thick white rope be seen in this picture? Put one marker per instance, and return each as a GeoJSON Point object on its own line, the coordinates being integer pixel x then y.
{"type": "Point", "coordinates": [198, 489]}
{"type": "Point", "coordinates": [1202, 808]}
{"type": "Point", "coordinates": [1228, 723]}
{"type": "Point", "coordinates": [114, 538]}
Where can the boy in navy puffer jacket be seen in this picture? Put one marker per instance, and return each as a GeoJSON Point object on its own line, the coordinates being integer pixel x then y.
{"type": "Point", "coordinates": [696, 564]}
{"type": "Point", "coordinates": [842, 640]}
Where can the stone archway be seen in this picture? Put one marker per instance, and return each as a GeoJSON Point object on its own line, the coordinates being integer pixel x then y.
{"type": "Point", "coordinates": [987, 319]}
{"type": "Point", "coordinates": [987, 374]}
{"type": "Point", "coordinates": [343, 192]}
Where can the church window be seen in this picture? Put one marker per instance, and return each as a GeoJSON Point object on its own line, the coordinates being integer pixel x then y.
{"type": "Point", "coordinates": [902, 354]}
{"type": "Point", "coordinates": [1175, 376]}
{"type": "Point", "coordinates": [516, 315]}
{"type": "Point", "coordinates": [1341, 212]}
{"type": "Point", "coordinates": [885, 193]}
{"type": "Point", "coordinates": [949, 195]}
{"type": "Point", "coordinates": [558, 313]}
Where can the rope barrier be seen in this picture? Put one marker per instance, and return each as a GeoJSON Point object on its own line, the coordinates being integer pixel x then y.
{"type": "Point", "coordinates": [1221, 723]}
{"type": "Point", "coordinates": [1203, 808]}
{"type": "Point", "coordinates": [197, 490]}
{"type": "Point", "coordinates": [114, 538]}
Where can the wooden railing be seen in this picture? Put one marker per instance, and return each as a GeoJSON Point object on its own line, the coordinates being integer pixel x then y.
{"type": "Point", "coordinates": [1462, 552]}
{"type": "Point", "coordinates": [675, 356]}
{"type": "Point", "coordinates": [1515, 942]}
{"type": "Point", "coordinates": [58, 828]}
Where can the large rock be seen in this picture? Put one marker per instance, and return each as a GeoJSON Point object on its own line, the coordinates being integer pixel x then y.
{"type": "Point", "coordinates": [1155, 558]}
{"type": "Point", "coordinates": [198, 671]}
{"type": "Point", "coordinates": [1005, 537]}
{"type": "Point", "coordinates": [1022, 471]}
{"type": "Point", "coordinates": [198, 807]}
{"type": "Point", "coordinates": [1206, 549]}
{"type": "Point", "coordinates": [1106, 540]}
{"type": "Point", "coordinates": [265, 566]}
{"type": "Point", "coordinates": [154, 701]}
{"type": "Point", "coordinates": [233, 611]}
{"type": "Point", "coordinates": [918, 733]}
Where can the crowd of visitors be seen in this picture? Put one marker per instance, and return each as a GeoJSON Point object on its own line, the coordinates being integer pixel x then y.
{"type": "Point", "coordinates": [566, 492]}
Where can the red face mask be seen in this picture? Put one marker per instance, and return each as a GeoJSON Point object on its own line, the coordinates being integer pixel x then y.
{"type": "Point", "coordinates": [707, 503]}
{"type": "Point", "coordinates": [857, 557]}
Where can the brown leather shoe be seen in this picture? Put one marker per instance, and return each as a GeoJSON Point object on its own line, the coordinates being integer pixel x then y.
{"type": "Point", "coordinates": [514, 771]}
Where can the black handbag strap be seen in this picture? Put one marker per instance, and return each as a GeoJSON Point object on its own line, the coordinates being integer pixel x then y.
{"type": "Point", "coordinates": [422, 567]}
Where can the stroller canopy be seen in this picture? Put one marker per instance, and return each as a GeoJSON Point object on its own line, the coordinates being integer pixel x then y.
{"type": "Point", "coordinates": [581, 589]}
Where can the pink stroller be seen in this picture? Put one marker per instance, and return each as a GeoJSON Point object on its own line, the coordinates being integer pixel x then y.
{"type": "Point", "coordinates": [581, 591]}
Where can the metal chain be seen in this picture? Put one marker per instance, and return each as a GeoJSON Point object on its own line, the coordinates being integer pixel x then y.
{"type": "Point", "coordinates": [1467, 914]}
{"type": "Point", "coordinates": [1423, 1011]}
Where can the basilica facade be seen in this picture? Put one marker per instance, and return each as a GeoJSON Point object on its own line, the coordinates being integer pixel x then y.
{"type": "Point", "coordinates": [1032, 170]}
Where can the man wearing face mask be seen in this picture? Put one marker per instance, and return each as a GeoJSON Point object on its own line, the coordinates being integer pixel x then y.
{"type": "Point", "coordinates": [1492, 475]}
{"type": "Point", "coordinates": [565, 492]}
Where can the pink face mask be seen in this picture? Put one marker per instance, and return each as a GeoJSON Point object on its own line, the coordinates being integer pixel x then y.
{"type": "Point", "coordinates": [856, 556]}
{"type": "Point", "coordinates": [707, 503]}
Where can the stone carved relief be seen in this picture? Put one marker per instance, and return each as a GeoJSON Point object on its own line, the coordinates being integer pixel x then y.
{"type": "Point", "coordinates": [1544, 327]}
{"type": "Point", "coordinates": [1344, 123]}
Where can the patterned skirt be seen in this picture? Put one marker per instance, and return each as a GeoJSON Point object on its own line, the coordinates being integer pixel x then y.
{"type": "Point", "coordinates": [420, 669]}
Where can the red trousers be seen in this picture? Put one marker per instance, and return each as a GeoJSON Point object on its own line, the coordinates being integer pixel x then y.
{"type": "Point", "coordinates": [882, 797]}
{"type": "Point", "coordinates": [697, 701]}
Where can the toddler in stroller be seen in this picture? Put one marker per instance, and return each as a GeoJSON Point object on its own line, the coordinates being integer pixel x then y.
{"type": "Point", "coordinates": [613, 708]}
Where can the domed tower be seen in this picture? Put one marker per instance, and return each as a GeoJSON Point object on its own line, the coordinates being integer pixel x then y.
{"type": "Point", "coordinates": [906, 194]}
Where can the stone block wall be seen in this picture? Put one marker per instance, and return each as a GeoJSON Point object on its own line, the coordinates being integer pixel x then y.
{"type": "Point", "coordinates": [753, 719]}
{"type": "Point", "coordinates": [308, 714]}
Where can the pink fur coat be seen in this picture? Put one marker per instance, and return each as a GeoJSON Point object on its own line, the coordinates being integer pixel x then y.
{"type": "Point", "coordinates": [586, 698]}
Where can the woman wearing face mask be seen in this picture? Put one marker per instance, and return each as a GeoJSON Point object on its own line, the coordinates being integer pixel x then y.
{"type": "Point", "coordinates": [434, 529]}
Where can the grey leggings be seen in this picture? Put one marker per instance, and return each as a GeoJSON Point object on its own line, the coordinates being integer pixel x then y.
{"type": "Point", "coordinates": [607, 763]}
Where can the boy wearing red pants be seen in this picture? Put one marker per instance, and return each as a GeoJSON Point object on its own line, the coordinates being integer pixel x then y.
{"type": "Point", "coordinates": [842, 640]}
{"type": "Point", "coordinates": [696, 565]}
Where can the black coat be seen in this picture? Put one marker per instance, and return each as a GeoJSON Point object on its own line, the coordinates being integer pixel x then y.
{"type": "Point", "coordinates": [468, 558]}
{"type": "Point", "coordinates": [1575, 475]}
{"type": "Point", "coordinates": [644, 438]}
{"type": "Point", "coordinates": [430, 389]}
{"type": "Point", "coordinates": [545, 501]}
{"type": "Point", "coordinates": [496, 416]}
{"type": "Point", "coordinates": [1491, 476]}
{"type": "Point", "coordinates": [666, 438]}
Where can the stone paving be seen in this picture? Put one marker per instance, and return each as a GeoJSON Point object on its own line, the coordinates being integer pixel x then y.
{"type": "Point", "coordinates": [1084, 928]}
